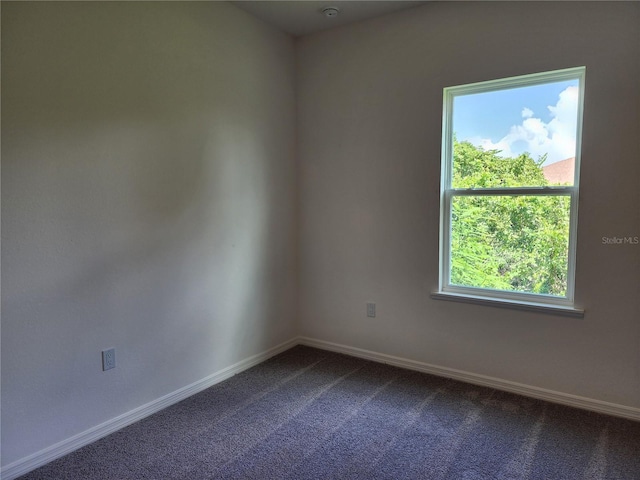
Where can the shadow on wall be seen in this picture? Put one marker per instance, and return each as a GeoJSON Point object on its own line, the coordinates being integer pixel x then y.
{"type": "Point", "coordinates": [135, 228]}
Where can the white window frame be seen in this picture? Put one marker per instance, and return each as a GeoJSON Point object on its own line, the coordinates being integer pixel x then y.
{"type": "Point", "coordinates": [519, 300]}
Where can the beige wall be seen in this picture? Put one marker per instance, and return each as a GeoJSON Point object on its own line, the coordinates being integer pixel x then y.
{"type": "Point", "coordinates": [369, 123]}
{"type": "Point", "coordinates": [148, 190]}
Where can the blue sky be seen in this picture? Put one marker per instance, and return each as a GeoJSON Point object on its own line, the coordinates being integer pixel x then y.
{"type": "Point", "coordinates": [538, 119]}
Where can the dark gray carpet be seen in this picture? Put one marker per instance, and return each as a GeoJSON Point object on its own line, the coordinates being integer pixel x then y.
{"type": "Point", "coordinates": [311, 414]}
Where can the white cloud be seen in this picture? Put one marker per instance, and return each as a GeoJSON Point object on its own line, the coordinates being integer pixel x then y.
{"type": "Point", "coordinates": [557, 138]}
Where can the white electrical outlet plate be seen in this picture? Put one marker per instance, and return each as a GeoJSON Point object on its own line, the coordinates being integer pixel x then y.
{"type": "Point", "coordinates": [108, 359]}
{"type": "Point", "coordinates": [371, 309]}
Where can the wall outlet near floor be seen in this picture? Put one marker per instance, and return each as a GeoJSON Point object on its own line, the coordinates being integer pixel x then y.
{"type": "Point", "coordinates": [371, 309]}
{"type": "Point", "coordinates": [108, 359]}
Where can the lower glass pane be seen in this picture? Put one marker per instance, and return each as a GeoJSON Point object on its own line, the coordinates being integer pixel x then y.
{"type": "Point", "coordinates": [511, 243]}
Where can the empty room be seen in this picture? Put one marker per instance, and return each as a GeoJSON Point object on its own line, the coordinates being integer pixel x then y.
{"type": "Point", "coordinates": [320, 240]}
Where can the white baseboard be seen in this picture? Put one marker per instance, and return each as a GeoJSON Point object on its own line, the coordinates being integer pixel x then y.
{"type": "Point", "coordinates": [38, 459]}
{"type": "Point", "coordinates": [599, 406]}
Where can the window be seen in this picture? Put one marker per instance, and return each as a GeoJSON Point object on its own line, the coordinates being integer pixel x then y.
{"type": "Point", "coordinates": [509, 191]}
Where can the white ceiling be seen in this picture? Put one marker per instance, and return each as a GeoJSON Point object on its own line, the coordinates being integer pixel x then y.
{"type": "Point", "coordinates": [305, 16]}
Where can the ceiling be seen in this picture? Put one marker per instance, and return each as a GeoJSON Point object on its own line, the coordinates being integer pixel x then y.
{"type": "Point", "coordinates": [305, 16]}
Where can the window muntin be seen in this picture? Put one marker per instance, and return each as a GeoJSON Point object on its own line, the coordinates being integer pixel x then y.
{"type": "Point", "coordinates": [508, 220]}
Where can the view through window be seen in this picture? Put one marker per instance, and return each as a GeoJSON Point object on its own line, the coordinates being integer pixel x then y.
{"type": "Point", "coordinates": [509, 186]}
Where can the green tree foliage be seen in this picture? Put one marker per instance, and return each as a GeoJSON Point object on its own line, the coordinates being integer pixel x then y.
{"type": "Point", "coordinates": [516, 243]}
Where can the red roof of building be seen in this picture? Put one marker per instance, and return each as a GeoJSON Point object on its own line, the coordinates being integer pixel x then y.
{"type": "Point", "coordinates": [561, 172]}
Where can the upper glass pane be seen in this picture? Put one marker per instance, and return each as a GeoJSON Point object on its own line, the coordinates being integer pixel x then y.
{"type": "Point", "coordinates": [516, 137]}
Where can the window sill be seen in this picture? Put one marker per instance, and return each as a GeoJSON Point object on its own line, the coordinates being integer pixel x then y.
{"type": "Point", "coordinates": [501, 303]}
